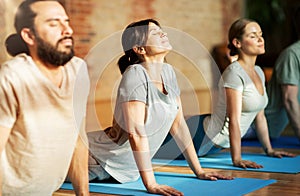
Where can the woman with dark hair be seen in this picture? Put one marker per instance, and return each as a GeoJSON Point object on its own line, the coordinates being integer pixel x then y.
{"type": "Point", "coordinates": [148, 106]}
{"type": "Point", "coordinates": [241, 101]}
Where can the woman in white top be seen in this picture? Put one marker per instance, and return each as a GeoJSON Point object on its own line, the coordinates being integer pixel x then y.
{"type": "Point", "coordinates": [148, 106]}
{"type": "Point", "coordinates": [242, 98]}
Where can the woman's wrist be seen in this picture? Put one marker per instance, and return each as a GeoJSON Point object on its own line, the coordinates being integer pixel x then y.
{"type": "Point", "coordinates": [199, 173]}
{"type": "Point", "coordinates": [269, 151]}
{"type": "Point", "coordinates": [236, 159]}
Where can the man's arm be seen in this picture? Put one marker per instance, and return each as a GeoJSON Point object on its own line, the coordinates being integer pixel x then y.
{"type": "Point", "coordinates": [4, 132]}
{"type": "Point", "coordinates": [292, 106]}
{"type": "Point", "coordinates": [78, 171]}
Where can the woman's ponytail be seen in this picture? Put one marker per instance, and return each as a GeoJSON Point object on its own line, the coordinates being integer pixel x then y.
{"type": "Point", "coordinates": [129, 58]}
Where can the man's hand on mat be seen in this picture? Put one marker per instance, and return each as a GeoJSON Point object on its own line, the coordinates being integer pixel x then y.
{"type": "Point", "coordinates": [280, 154]}
{"type": "Point", "coordinates": [246, 164]}
{"type": "Point", "coordinates": [163, 190]}
{"type": "Point", "coordinates": [213, 176]}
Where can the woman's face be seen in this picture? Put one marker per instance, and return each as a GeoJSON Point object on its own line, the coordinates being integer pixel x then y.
{"type": "Point", "coordinates": [157, 42]}
{"type": "Point", "coordinates": [252, 42]}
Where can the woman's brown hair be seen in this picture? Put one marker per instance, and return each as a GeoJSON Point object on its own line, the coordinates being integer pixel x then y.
{"type": "Point", "coordinates": [134, 35]}
{"type": "Point", "coordinates": [237, 30]}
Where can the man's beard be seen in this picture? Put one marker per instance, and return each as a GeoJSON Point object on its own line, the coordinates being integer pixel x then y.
{"type": "Point", "coordinates": [50, 54]}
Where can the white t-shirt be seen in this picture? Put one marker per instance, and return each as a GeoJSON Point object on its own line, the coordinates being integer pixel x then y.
{"type": "Point", "coordinates": [235, 77]}
{"type": "Point", "coordinates": [111, 147]}
{"type": "Point", "coordinates": [44, 120]}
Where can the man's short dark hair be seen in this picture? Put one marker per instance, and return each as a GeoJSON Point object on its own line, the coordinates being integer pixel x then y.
{"type": "Point", "coordinates": [24, 18]}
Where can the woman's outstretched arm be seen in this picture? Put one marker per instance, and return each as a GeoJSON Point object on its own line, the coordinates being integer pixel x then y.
{"type": "Point", "coordinates": [182, 136]}
{"type": "Point", "coordinates": [263, 136]}
{"type": "Point", "coordinates": [234, 109]}
{"type": "Point", "coordinates": [134, 113]}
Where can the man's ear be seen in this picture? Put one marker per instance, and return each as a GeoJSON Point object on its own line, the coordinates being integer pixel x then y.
{"type": "Point", "coordinates": [139, 50]}
{"type": "Point", "coordinates": [27, 36]}
{"type": "Point", "coordinates": [236, 43]}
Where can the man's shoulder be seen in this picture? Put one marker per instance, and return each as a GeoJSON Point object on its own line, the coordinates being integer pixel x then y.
{"type": "Point", "coordinates": [21, 58]}
{"type": "Point", "coordinates": [77, 64]}
{"type": "Point", "coordinates": [292, 53]}
{"type": "Point", "coordinates": [295, 47]}
{"type": "Point", "coordinates": [296, 44]}
{"type": "Point", "coordinates": [77, 59]}
{"type": "Point", "coordinates": [16, 64]}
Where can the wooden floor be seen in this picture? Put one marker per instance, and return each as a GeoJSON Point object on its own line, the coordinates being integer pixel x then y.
{"type": "Point", "coordinates": [287, 184]}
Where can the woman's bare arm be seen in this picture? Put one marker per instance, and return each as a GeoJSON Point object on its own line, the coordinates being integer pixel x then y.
{"type": "Point", "coordinates": [134, 113]}
{"type": "Point", "coordinates": [182, 136]}
{"type": "Point", "coordinates": [234, 109]}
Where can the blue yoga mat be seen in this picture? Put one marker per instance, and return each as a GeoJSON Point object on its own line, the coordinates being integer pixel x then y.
{"type": "Point", "coordinates": [185, 183]}
{"type": "Point", "coordinates": [222, 160]}
{"type": "Point", "coordinates": [281, 142]}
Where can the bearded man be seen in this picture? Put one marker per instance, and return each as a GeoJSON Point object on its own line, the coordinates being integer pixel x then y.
{"type": "Point", "coordinates": [43, 91]}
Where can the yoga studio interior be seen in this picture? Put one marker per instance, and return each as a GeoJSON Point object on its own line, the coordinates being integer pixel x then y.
{"type": "Point", "coordinates": [198, 32]}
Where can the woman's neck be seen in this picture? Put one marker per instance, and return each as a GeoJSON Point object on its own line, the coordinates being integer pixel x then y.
{"type": "Point", "coordinates": [153, 65]}
{"type": "Point", "coordinates": [155, 59]}
{"type": "Point", "coordinates": [248, 62]}
{"type": "Point", "coordinates": [154, 70]}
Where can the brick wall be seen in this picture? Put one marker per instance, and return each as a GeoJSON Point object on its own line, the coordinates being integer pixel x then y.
{"type": "Point", "coordinates": [94, 20]}
{"type": "Point", "coordinates": [97, 26]}
{"type": "Point", "coordinates": [206, 20]}
{"type": "Point", "coordinates": [79, 12]}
